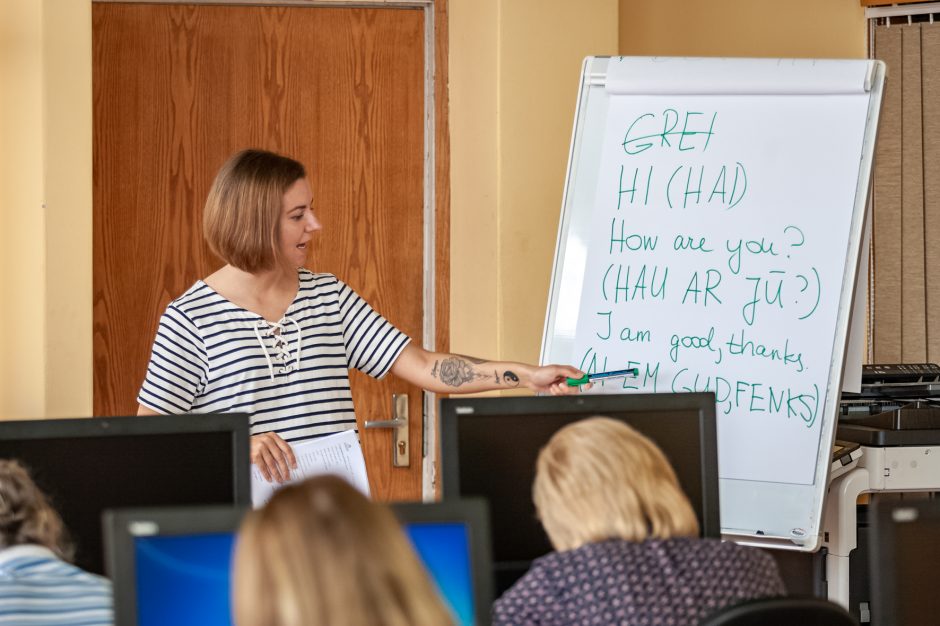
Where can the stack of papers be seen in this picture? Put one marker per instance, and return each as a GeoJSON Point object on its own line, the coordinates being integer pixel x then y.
{"type": "Point", "coordinates": [339, 454]}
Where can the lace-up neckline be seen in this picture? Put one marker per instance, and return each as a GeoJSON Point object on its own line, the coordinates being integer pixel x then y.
{"type": "Point", "coordinates": [282, 347]}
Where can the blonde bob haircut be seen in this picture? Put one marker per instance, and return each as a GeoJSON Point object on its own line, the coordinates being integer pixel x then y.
{"type": "Point", "coordinates": [241, 220]}
{"type": "Point", "coordinates": [599, 479]}
{"type": "Point", "coordinates": [26, 517]}
{"type": "Point", "coordinates": [320, 553]}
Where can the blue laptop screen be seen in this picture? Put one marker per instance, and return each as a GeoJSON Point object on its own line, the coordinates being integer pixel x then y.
{"type": "Point", "coordinates": [185, 579]}
{"type": "Point", "coordinates": [444, 547]}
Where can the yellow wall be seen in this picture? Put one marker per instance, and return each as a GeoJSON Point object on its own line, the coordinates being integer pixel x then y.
{"type": "Point", "coordinates": [68, 202]}
{"type": "Point", "coordinates": [45, 208]}
{"type": "Point", "coordinates": [22, 244]}
{"type": "Point", "coordinates": [758, 28]}
{"type": "Point", "coordinates": [514, 68]}
{"type": "Point", "coordinates": [473, 40]}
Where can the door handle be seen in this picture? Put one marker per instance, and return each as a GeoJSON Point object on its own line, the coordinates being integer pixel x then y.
{"type": "Point", "coordinates": [395, 423]}
{"type": "Point", "coordinates": [399, 426]}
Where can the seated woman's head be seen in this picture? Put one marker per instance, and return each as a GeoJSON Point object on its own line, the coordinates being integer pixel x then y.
{"type": "Point", "coordinates": [600, 479]}
{"type": "Point", "coordinates": [26, 517]}
{"type": "Point", "coordinates": [320, 553]}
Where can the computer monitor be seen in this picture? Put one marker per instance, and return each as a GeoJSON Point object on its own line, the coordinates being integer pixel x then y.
{"type": "Point", "coordinates": [452, 539]}
{"type": "Point", "coordinates": [904, 548]}
{"type": "Point", "coordinates": [88, 465]}
{"type": "Point", "coordinates": [173, 565]}
{"type": "Point", "coordinates": [490, 445]}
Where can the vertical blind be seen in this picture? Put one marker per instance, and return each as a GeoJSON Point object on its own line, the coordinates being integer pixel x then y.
{"type": "Point", "coordinates": [905, 278]}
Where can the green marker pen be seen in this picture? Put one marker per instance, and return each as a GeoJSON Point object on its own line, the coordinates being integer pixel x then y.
{"type": "Point", "coordinates": [590, 378]}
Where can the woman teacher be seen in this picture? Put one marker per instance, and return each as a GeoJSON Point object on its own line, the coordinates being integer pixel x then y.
{"type": "Point", "coordinates": [266, 337]}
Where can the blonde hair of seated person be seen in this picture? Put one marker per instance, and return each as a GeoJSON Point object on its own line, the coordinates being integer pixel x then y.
{"type": "Point", "coordinates": [320, 553]}
{"type": "Point", "coordinates": [600, 479]}
{"type": "Point", "coordinates": [26, 516]}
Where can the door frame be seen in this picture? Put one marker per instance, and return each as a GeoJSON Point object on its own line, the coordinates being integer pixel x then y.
{"type": "Point", "coordinates": [436, 201]}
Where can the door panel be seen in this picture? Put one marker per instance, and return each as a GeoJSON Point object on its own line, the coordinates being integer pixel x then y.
{"type": "Point", "coordinates": [179, 88]}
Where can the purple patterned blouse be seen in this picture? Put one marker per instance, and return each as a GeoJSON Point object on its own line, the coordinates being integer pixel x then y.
{"type": "Point", "coordinates": [658, 581]}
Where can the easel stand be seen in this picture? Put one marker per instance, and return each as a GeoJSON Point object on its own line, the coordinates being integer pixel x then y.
{"type": "Point", "coordinates": [879, 470]}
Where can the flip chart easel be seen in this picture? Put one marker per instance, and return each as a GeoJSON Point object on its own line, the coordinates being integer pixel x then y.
{"type": "Point", "coordinates": [710, 236]}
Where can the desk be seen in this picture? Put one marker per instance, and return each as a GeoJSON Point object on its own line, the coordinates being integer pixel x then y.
{"type": "Point", "coordinates": [879, 470]}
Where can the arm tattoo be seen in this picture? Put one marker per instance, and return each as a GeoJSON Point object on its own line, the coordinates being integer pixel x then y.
{"type": "Point", "coordinates": [455, 371]}
{"type": "Point", "coordinates": [510, 378]}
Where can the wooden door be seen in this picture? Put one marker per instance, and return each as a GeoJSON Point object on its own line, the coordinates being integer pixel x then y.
{"type": "Point", "coordinates": [177, 89]}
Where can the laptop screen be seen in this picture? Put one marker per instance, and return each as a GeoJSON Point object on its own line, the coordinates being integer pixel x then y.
{"type": "Point", "coordinates": [444, 548]}
{"type": "Point", "coordinates": [184, 579]}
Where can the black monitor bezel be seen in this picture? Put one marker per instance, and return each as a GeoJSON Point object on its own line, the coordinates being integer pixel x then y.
{"type": "Point", "coordinates": [882, 542]}
{"type": "Point", "coordinates": [453, 409]}
{"type": "Point", "coordinates": [170, 521]}
{"type": "Point", "coordinates": [143, 425]}
{"type": "Point", "coordinates": [475, 513]}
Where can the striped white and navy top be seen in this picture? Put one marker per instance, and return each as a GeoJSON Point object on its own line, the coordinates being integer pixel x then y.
{"type": "Point", "coordinates": [292, 377]}
{"type": "Point", "coordinates": [37, 588]}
